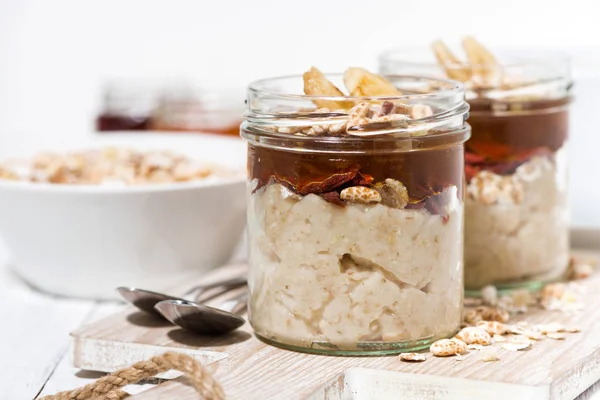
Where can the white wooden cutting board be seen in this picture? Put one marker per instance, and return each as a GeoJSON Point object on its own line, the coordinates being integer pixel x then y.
{"type": "Point", "coordinates": [249, 369]}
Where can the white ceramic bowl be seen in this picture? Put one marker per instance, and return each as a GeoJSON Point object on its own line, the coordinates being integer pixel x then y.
{"type": "Point", "coordinates": [84, 241]}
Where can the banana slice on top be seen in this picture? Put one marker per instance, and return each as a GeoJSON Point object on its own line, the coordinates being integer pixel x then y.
{"type": "Point", "coordinates": [361, 82]}
{"type": "Point", "coordinates": [477, 54]}
{"type": "Point", "coordinates": [316, 84]}
{"type": "Point", "coordinates": [485, 69]}
{"type": "Point", "coordinates": [455, 69]}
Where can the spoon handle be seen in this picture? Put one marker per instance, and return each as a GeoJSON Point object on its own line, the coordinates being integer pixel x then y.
{"type": "Point", "coordinates": [237, 304]}
{"type": "Point", "coordinates": [225, 285]}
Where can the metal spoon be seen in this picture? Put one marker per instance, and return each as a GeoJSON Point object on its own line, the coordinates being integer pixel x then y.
{"type": "Point", "coordinates": [145, 300]}
{"type": "Point", "coordinates": [204, 319]}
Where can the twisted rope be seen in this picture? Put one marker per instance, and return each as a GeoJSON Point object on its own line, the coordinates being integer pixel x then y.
{"type": "Point", "coordinates": [108, 387]}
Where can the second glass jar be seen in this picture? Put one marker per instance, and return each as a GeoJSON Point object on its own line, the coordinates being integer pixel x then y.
{"type": "Point", "coordinates": [355, 242]}
{"type": "Point", "coordinates": [516, 207]}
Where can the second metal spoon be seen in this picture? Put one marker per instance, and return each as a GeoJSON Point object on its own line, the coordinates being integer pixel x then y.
{"type": "Point", "coordinates": [145, 300]}
{"type": "Point", "coordinates": [204, 319]}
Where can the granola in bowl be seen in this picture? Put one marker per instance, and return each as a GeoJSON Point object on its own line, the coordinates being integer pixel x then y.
{"type": "Point", "coordinates": [354, 213]}
{"type": "Point", "coordinates": [110, 166]}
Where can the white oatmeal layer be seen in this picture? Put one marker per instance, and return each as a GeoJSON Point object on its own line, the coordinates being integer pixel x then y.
{"type": "Point", "coordinates": [324, 273]}
{"type": "Point", "coordinates": [516, 226]}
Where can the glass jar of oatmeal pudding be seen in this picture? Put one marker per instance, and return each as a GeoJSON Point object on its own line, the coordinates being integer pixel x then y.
{"type": "Point", "coordinates": [355, 212]}
{"type": "Point", "coordinates": [516, 206]}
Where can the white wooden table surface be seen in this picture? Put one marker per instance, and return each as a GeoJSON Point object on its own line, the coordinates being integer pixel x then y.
{"type": "Point", "coordinates": [34, 336]}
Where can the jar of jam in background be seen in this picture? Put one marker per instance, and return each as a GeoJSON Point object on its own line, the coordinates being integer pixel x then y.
{"type": "Point", "coordinates": [126, 106]}
{"type": "Point", "coordinates": [189, 109]}
{"type": "Point", "coordinates": [355, 239]}
{"type": "Point", "coordinates": [516, 206]}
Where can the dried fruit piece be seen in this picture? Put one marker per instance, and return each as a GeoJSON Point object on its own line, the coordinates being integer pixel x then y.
{"type": "Point", "coordinates": [361, 180]}
{"type": "Point", "coordinates": [492, 327]}
{"type": "Point", "coordinates": [331, 183]}
{"type": "Point", "coordinates": [388, 108]}
{"type": "Point", "coordinates": [360, 194]}
{"type": "Point", "coordinates": [316, 84]}
{"type": "Point", "coordinates": [455, 69]}
{"type": "Point", "coordinates": [361, 82]}
{"type": "Point", "coordinates": [448, 347]}
{"type": "Point", "coordinates": [412, 357]}
{"type": "Point", "coordinates": [474, 335]}
{"type": "Point", "coordinates": [332, 197]}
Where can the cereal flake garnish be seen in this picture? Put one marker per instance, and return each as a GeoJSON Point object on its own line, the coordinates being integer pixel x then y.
{"type": "Point", "coordinates": [360, 194]}
{"type": "Point", "coordinates": [490, 188]}
{"type": "Point", "coordinates": [412, 357]}
{"type": "Point", "coordinates": [561, 297]}
{"type": "Point", "coordinates": [485, 313]}
{"type": "Point", "coordinates": [517, 343]}
{"type": "Point", "coordinates": [448, 347]}
{"type": "Point", "coordinates": [556, 335]}
{"type": "Point", "coordinates": [492, 327]}
{"type": "Point", "coordinates": [474, 335]}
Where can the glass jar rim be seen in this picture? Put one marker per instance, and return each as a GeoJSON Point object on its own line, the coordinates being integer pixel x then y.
{"type": "Point", "coordinates": [353, 144]}
{"type": "Point", "coordinates": [521, 57]}
{"type": "Point", "coordinates": [259, 88]}
{"type": "Point", "coordinates": [276, 102]}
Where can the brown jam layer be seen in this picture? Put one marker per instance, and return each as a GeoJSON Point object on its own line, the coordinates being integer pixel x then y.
{"type": "Point", "coordinates": [425, 173]}
{"type": "Point", "coordinates": [503, 140]}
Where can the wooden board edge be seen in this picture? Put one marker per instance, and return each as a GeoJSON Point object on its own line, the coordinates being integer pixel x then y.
{"type": "Point", "coordinates": [368, 383]}
{"type": "Point", "coordinates": [585, 238]}
{"type": "Point", "coordinates": [84, 353]}
{"type": "Point", "coordinates": [578, 379]}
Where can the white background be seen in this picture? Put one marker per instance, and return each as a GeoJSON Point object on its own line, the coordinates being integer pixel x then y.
{"type": "Point", "coordinates": [54, 54]}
